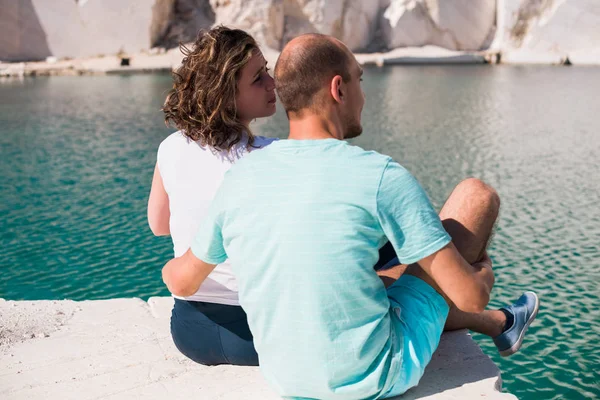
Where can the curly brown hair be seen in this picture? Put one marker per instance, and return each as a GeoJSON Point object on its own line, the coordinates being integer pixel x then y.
{"type": "Point", "coordinates": [202, 101]}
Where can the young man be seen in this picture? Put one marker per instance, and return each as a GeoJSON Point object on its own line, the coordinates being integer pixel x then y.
{"type": "Point", "coordinates": [301, 223]}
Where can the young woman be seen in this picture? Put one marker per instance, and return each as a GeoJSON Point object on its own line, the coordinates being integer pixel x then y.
{"type": "Point", "coordinates": [222, 85]}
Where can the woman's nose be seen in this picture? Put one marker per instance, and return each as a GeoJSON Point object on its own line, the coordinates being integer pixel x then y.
{"type": "Point", "coordinates": [270, 84]}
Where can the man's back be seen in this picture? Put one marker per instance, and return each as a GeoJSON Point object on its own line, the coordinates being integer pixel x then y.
{"type": "Point", "coordinates": [301, 224]}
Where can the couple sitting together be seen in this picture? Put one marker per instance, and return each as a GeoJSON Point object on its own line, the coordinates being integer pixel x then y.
{"type": "Point", "coordinates": [322, 262]}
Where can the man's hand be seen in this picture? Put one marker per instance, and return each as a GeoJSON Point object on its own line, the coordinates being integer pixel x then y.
{"type": "Point", "coordinates": [466, 286]}
{"type": "Point", "coordinates": [184, 275]}
{"type": "Point", "coordinates": [485, 262]}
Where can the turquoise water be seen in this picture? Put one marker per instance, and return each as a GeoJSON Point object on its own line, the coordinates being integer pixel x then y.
{"type": "Point", "coordinates": [78, 153]}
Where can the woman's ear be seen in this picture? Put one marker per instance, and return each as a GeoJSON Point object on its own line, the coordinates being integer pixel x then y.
{"type": "Point", "coordinates": [337, 89]}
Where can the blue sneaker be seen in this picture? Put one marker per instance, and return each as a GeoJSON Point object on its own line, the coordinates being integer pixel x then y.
{"type": "Point", "coordinates": [524, 311]}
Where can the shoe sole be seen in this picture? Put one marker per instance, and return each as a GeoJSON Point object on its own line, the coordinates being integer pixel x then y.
{"type": "Point", "coordinates": [515, 347]}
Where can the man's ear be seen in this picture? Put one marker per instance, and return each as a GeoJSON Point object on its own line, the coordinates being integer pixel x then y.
{"type": "Point", "coordinates": [337, 89]}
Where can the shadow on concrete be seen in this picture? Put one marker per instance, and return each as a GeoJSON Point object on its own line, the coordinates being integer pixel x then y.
{"type": "Point", "coordinates": [22, 36]}
{"type": "Point", "coordinates": [456, 362]}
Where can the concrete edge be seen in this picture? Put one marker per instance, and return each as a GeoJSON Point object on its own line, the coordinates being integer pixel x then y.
{"type": "Point", "coordinates": [166, 61]}
{"type": "Point", "coordinates": [121, 348]}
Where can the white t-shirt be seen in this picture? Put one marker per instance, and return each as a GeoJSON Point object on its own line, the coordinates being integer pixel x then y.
{"type": "Point", "coordinates": [191, 175]}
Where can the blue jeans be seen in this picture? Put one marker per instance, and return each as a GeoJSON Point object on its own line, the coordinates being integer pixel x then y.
{"type": "Point", "coordinates": [213, 334]}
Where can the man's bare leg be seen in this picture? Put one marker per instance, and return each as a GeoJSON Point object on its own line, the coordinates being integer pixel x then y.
{"type": "Point", "coordinates": [468, 216]}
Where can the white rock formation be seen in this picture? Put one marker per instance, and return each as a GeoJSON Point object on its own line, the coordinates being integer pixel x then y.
{"type": "Point", "coordinates": [21, 35]}
{"type": "Point", "coordinates": [264, 19]}
{"type": "Point", "coordinates": [574, 26]}
{"type": "Point", "coordinates": [547, 30]}
{"type": "Point", "coordinates": [87, 28]}
{"type": "Point", "coordinates": [406, 24]}
{"type": "Point", "coordinates": [470, 25]}
{"type": "Point", "coordinates": [452, 24]}
{"type": "Point", "coordinates": [36, 29]}
{"type": "Point", "coordinates": [585, 57]}
{"type": "Point", "coordinates": [176, 21]}
{"type": "Point", "coordinates": [352, 21]}
{"type": "Point", "coordinates": [523, 31]}
{"type": "Point", "coordinates": [359, 23]}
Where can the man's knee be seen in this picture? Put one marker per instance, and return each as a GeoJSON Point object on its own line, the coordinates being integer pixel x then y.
{"type": "Point", "coordinates": [474, 188]}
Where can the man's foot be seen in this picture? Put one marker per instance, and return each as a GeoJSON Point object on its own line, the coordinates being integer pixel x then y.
{"type": "Point", "coordinates": [523, 311]}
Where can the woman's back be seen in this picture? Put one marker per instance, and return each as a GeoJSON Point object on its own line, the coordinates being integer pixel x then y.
{"type": "Point", "coordinates": [191, 175]}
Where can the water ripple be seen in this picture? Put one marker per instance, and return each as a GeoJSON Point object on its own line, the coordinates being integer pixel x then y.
{"type": "Point", "coordinates": [78, 156]}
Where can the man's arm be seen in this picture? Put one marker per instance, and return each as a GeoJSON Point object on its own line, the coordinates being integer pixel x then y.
{"type": "Point", "coordinates": [418, 236]}
{"type": "Point", "coordinates": [467, 286]}
{"type": "Point", "coordinates": [184, 275]}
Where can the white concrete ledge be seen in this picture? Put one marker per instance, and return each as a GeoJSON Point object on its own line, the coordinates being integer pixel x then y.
{"type": "Point", "coordinates": [153, 61]}
{"type": "Point", "coordinates": [585, 57]}
{"type": "Point", "coordinates": [525, 57]}
{"type": "Point", "coordinates": [422, 55]}
{"type": "Point", "coordinates": [122, 349]}
{"type": "Point", "coordinates": [158, 60]}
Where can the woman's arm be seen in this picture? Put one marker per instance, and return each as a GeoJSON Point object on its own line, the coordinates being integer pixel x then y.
{"type": "Point", "coordinates": [158, 206]}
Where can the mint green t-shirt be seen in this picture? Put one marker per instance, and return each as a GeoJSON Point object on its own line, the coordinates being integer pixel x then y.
{"type": "Point", "coordinates": [301, 222]}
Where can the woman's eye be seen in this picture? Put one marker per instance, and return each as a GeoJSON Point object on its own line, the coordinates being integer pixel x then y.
{"type": "Point", "coordinates": [261, 76]}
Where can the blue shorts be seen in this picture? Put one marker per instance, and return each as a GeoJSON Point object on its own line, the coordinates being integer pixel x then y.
{"type": "Point", "coordinates": [419, 314]}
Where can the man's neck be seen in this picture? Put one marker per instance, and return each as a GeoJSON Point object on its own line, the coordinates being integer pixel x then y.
{"type": "Point", "coordinates": [314, 127]}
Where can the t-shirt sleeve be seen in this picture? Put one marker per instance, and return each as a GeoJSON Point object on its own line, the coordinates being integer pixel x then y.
{"type": "Point", "coordinates": [208, 242]}
{"type": "Point", "coordinates": [407, 217]}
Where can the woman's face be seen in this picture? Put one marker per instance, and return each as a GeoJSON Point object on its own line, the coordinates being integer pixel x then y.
{"type": "Point", "coordinates": [256, 90]}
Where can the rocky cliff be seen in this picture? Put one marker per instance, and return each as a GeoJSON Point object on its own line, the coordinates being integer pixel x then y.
{"type": "Point", "coordinates": [36, 29]}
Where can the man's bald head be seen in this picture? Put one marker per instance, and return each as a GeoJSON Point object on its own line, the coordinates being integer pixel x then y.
{"type": "Point", "coordinates": [306, 65]}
